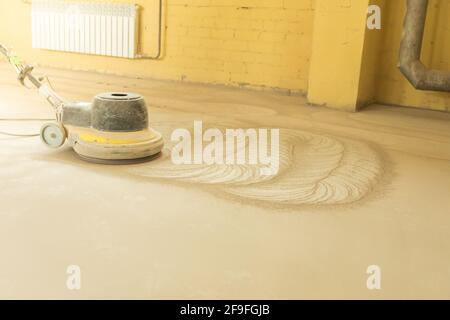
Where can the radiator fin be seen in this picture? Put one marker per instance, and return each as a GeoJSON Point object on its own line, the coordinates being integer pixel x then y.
{"type": "Point", "coordinates": [108, 29]}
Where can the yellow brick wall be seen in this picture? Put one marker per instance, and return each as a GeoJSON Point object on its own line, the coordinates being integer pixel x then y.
{"type": "Point", "coordinates": [268, 44]}
{"type": "Point", "coordinates": [256, 43]}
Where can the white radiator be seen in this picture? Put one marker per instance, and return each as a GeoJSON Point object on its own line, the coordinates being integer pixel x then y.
{"type": "Point", "coordinates": [108, 29]}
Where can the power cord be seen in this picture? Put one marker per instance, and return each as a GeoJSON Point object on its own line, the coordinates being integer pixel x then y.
{"type": "Point", "coordinates": [21, 135]}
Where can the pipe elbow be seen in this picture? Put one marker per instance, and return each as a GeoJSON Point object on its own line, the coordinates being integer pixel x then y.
{"type": "Point", "coordinates": [410, 65]}
{"type": "Point", "coordinates": [414, 72]}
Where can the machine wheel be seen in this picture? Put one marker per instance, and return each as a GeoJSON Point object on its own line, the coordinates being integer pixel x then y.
{"type": "Point", "coordinates": [53, 135]}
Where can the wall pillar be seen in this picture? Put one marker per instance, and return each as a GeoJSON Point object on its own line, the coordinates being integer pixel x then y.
{"type": "Point", "coordinates": [337, 53]}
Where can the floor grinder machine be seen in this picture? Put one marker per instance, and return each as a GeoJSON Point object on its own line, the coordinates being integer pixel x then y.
{"type": "Point", "coordinates": [113, 128]}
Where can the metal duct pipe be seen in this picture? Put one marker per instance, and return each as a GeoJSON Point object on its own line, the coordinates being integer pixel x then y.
{"type": "Point", "coordinates": [410, 65]}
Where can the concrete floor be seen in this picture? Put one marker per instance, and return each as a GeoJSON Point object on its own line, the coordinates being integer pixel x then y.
{"type": "Point", "coordinates": [136, 233]}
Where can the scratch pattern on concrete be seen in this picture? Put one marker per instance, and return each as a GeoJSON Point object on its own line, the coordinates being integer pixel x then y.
{"type": "Point", "coordinates": [314, 169]}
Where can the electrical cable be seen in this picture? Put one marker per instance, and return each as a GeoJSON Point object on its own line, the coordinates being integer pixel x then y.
{"type": "Point", "coordinates": [22, 135]}
{"type": "Point", "coordinates": [19, 135]}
